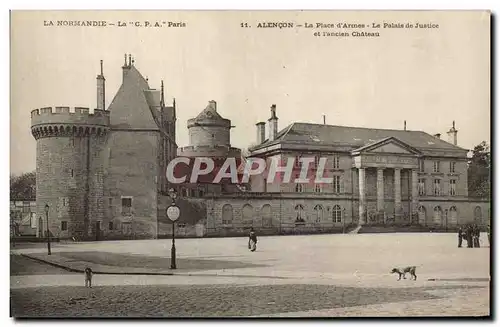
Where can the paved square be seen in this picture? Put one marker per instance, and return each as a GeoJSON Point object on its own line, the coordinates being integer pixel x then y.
{"type": "Point", "coordinates": [317, 275]}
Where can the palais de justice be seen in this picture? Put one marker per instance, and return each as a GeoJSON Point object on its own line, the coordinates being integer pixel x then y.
{"type": "Point", "coordinates": [102, 172]}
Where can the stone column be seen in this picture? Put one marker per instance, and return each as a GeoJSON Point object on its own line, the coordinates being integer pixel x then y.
{"type": "Point", "coordinates": [397, 192]}
{"type": "Point", "coordinates": [414, 192]}
{"type": "Point", "coordinates": [380, 189]}
{"type": "Point", "coordinates": [362, 196]}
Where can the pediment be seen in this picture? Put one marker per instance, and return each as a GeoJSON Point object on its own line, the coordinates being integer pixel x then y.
{"type": "Point", "coordinates": [388, 145]}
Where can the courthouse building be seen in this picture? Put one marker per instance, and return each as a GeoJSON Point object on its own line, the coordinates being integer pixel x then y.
{"type": "Point", "coordinates": [379, 176]}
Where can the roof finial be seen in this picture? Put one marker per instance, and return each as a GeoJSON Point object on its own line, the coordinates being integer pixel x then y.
{"type": "Point", "coordinates": [125, 64]}
{"type": "Point", "coordinates": [133, 61]}
{"type": "Point", "coordinates": [102, 73]}
{"type": "Point", "coordinates": [324, 120]}
{"type": "Point", "coordinates": [453, 124]}
{"type": "Point", "coordinates": [405, 125]}
{"type": "Point", "coordinates": [162, 97]}
{"type": "Point", "coordinates": [174, 102]}
{"type": "Point", "coordinates": [129, 60]}
{"type": "Point", "coordinates": [147, 79]}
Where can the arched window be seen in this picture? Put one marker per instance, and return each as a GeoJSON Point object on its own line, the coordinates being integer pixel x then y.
{"type": "Point", "coordinates": [337, 214]}
{"type": "Point", "coordinates": [478, 215]}
{"type": "Point", "coordinates": [247, 214]}
{"type": "Point", "coordinates": [453, 215]}
{"type": "Point", "coordinates": [299, 213]}
{"type": "Point", "coordinates": [267, 218]}
{"type": "Point", "coordinates": [422, 215]}
{"type": "Point", "coordinates": [318, 212]}
{"type": "Point", "coordinates": [438, 215]}
{"type": "Point", "coordinates": [227, 214]}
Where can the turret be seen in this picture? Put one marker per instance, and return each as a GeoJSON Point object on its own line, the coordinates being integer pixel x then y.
{"type": "Point", "coordinates": [101, 90]}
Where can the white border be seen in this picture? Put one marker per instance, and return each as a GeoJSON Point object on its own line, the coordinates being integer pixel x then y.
{"type": "Point", "coordinates": [213, 5]}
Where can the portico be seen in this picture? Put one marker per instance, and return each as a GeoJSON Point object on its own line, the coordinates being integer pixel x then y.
{"type": "Point", "coordinates": [381, 156]}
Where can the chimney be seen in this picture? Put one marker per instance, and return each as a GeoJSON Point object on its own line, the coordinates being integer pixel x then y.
{"type": "Point", "coordinates": [212, 104]}
{"type": "Point", "coordinates": [126, 66]}
{"type": "Point", "coordinates": [101, 90]}
{"type": "Point", "coordinates": [273, 124]}
{"type": "Point", "coordinates": [452, 134]}
{"type": "Point", "coordinates": [438, 135]}
{"type": "Point", "coordinates": [261, 132]}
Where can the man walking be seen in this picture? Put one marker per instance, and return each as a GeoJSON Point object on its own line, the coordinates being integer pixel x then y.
{"type": "Point", "coordinates": [460, 236]}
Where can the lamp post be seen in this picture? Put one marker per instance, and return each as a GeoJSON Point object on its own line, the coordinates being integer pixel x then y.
{"type": "Point", "coordinates": [173, 213]}
{"type": "Point", "coordinates": [343, 221]}
{"type": "Point", "coordinates": [446, 220]}
{"type": "Point", "coordinates": [48, 233]}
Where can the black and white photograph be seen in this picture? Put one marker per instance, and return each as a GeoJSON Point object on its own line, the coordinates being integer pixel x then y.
{"type": "Point", "coordinates": [250, 164]}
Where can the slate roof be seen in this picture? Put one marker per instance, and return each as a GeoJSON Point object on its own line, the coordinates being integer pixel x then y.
{"type": "Point", "coordinates": [354, 137]}
{"type": "Point", "coordinates": [209, 113]}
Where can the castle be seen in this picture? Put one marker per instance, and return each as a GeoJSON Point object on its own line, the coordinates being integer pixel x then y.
{"type": "Point", "coordinates": [102, 173]}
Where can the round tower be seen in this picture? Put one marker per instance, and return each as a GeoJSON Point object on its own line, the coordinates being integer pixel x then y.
{"type": "Point", "coordinates": [209, 135]}
{"type": "Point", "coordinates": [70, 160]}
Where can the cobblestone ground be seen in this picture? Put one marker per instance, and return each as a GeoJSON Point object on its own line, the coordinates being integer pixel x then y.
{"type": "Point", "coordinates": [319, 276]}
{"type": "Point", "coordinates": [206, 300]}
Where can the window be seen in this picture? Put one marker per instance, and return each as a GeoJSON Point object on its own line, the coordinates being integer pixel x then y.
{"type": "Point", "coordinates": [64, 225]}
{"type": "Point", "coordinates": [201, 192]}
{"type": "Point", "coordinates": [337, 214]}
{"type": "Point", "coordinates": [452, 167]}
{"type": "Point", "coordinates": [299, 188]}
{"type": "Point", "coordinates": [297, 162]}
{"type": "Point", "coordinates": [316, 161]}
{"type": "Point", "coordinates": [318, 210]}
{"type": "Point", "coordinates": [26, 207]}
{"type": "Point", "coordinates": [110, 226]}
{"type": "Point", "coordinates": [336, 162]}
{"type": "Point", "coordinates": [437, 187]}
{"type": "Point", "coordinates": [64, 202]}
{"type": "Point", "coordinates": [421, 166]}
{"type": "Point", "coordinates": [72, 173]}
{"type": "Point", "coordinates": [126, 206]}
{"type": "Point", "coordinates": [436, 166]}
{"type": "Point", "coordinates": [336, 184]}
{"type": "Point", "coordinates": [227, 214]}
{"type": "Point", "coordinates": [421, 186]}
{"type": "Point", "coordinates": [318, 188]}
{"type": "Point", "coordinates": [453, 184]}
{"type": "Point", "coordinates": [299, 211]}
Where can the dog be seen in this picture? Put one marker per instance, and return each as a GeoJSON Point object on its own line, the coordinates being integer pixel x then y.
{"type": "Point", "coordinates": [88, 277]}
{"type": "Point", "coordinates": [402, 272]}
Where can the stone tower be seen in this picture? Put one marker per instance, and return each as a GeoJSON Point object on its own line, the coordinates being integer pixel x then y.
{"type": "Point", "coordinates": [70, 168]}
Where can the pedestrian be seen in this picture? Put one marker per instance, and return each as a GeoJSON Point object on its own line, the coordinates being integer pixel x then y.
{"type": "Point", "coordinates": [252, 240]}
{"type": "Point", "coordinates": [469, 236]}
{"type": "Point", "coordinates": [460, 236]}
{"type": "Point", "coordinates": [477, 233]}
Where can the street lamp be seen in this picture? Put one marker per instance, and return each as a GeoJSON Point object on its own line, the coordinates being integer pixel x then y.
{"type": "Point", "coordinates": [173, 213]}
{"type": "Point", "coordinates": [48, 233]}
{"type": "Point", "coordinates": [343, 221]}
{"type": "Point", "coordinates": [446, 220]}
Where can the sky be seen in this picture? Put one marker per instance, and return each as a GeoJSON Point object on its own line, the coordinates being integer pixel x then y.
{"type": "Point", "coordinates": [428, 77]}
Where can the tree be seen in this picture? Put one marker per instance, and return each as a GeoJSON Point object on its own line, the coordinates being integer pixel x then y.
{"type": "Point", "coordinates": [23, 187]}
{"type": "Point", "coordinates": [478, 172]}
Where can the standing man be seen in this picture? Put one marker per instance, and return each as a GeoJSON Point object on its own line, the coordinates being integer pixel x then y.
{"type": "Point", "coordinates": [470, 232]}
{"type": "Point", "coordinates": [460, 235]}
{"type": "Point", "coordinates": [252, 240]}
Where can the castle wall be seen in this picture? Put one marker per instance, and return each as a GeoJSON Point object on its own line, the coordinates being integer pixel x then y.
{"type": "Point", "coordinates": [132, 173]}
